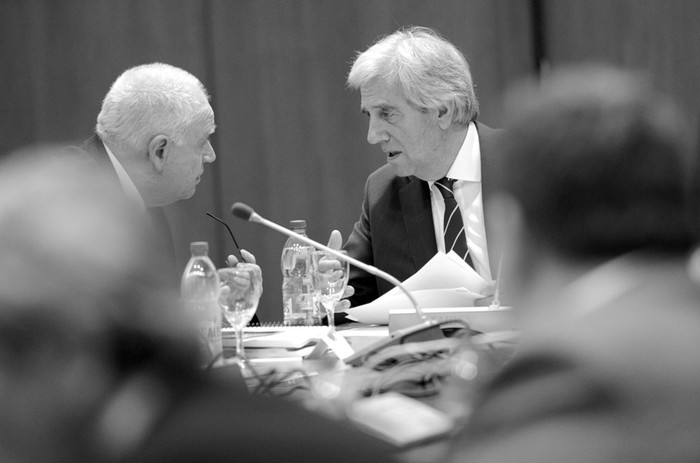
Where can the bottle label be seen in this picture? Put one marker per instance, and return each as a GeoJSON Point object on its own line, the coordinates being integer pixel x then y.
{"type": "Point", "coordinates": [297, 287]}
{"type": "Point", "coordinates": [209, 325]}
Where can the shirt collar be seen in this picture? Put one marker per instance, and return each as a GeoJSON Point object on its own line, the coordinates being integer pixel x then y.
{"type": "Point", "coordinates": [127, 184]}
{"type": "Point", "coordinates": [467, 164]}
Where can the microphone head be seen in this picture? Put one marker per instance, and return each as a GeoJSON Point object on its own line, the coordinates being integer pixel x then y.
{"type": "Point", "coordinates": [242, 211]}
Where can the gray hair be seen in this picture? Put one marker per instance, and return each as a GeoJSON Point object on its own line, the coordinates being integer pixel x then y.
{"type": "Point", "coordinates": [147, 100]}
{"type": "Point", "coordinates": [431, 71]}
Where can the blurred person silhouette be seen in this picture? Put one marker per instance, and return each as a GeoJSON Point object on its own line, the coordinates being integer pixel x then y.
{"type": "Point", "coordinates": [417, 92]}
{"type": "Point", "coordinates": [98, 361]}
{"type": "Point", "coordinates": [593, 203]}
{"type": "Point", "coordinates": [77, 298]}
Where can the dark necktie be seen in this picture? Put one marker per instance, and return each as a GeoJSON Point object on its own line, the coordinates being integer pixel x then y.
{"type": "Point", "coordinates": [453, 227]}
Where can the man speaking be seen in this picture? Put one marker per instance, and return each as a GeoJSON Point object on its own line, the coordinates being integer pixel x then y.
{"type": "Point", "coordinates": [417, 92]}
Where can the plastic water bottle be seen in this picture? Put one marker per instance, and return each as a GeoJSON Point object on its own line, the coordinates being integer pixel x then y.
{"type": "Point", "coordinates": [199, 290]}
{"type": "Point", "coordinates": [297, 281]}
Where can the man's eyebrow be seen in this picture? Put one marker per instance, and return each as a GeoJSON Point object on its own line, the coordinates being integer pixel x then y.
{"type": "Point", "coordinates": [380, 106]}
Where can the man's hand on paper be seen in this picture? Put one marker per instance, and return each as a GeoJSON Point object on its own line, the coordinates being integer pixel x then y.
{"type": "Point", "coordinates": [335, 242]}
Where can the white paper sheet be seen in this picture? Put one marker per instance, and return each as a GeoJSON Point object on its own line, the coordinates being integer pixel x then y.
{"type": "Point", "coordinates": [445, 281]}
{"type": "Point", "coordinates": [377, 312]}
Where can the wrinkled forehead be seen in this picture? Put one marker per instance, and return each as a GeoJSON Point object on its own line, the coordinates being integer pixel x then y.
{"type": "Point", "coordinates": [380, 93]}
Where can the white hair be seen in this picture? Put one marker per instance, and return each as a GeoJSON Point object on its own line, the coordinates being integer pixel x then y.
{"type": "Point", "coordinates": [147, 100]}
{"type": "Point", "coordinates": [431, 71]}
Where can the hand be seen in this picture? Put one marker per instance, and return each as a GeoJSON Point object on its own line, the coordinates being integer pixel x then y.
{"type": "Point", "coordinates": [232, 260]}
{"type": "Point", "coordinates": [240, 284]}
{"type": "Point", "coordinates": [335, 242]}
{"type": "Point", "coordinates": [236, 281]}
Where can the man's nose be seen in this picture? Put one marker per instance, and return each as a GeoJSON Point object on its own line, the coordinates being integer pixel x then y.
{"type": "Point", "coordinates": [376, 133]}
{"type": "Point", "coordinates": [209, 154]}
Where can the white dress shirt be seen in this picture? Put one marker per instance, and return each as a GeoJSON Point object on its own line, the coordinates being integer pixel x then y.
{"type": "Point", "coordinates": [466, 170]}
{"type": "Point", "coordinates": [127, 184]}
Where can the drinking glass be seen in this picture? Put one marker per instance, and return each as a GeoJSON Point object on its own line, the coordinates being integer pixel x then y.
{"type": "Point", "coordinates": [240, 293]}
{"type": "Point", "coordinates": [330, 277]}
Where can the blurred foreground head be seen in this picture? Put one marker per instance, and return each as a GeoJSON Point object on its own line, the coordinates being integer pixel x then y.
{"type": "Point", "coordinates": [595, 164]}
{"type": "Point", "coordinates": [83, 304]}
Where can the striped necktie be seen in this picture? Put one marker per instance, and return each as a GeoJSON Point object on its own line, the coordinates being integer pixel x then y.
{"type": "Point", "coordinates": [453, 229]}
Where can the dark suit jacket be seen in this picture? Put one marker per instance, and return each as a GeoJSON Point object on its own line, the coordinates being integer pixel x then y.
{"type": "Point", "coordinates": [621, 384]}
{"type": "Point", "coordinates": [94, 150]}
{"type": "Point", "coordinates": [395, 231]}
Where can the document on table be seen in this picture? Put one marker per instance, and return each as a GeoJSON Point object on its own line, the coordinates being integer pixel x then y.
{"type": "Point", "coordinates": [445, 281]}
{"type": "Point", "coordinates": [285, 337]}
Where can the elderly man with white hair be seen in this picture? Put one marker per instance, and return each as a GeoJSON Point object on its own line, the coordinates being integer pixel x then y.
{"type": "Point", "coordinates": [417, 92]}
{"type": "Point", "coordinates": [152, 137]}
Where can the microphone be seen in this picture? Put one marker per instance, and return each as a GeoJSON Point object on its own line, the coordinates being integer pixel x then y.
{"type": "Point", "coordinates": [245, 212]}
{"type": "Point", "coordinates": [416, 332]}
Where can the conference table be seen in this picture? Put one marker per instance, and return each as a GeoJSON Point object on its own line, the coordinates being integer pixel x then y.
{"type": "Point", "coordinates": [416, 395]}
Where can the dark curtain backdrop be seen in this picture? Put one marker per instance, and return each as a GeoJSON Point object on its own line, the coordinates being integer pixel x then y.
{"type": "Point", "coordinates": [659, 37]}
{"type": "Point", "coordinates": [291, 141]}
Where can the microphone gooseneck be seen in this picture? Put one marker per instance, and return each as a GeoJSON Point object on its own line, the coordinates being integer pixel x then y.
{"type": "Point", "coordinates": [246, 212]}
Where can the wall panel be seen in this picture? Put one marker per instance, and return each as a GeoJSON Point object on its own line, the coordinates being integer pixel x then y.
{"type": "Point", "coordinates": [658, 37]}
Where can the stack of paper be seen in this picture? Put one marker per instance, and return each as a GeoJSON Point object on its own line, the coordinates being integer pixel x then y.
{"type": "Point", "coordinates": [445, 281]}
{"type": "Point", "coordinates": [276, 341]}
{"type": "Point", "coordinates": [288, 341]}
{"type": "Point", "coordinates": [290, 337]}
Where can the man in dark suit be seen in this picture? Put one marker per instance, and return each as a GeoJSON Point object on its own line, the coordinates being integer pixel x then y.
{"type": "Point", "coordinates": [417, 92]}
{"type": "Point", "coordinates": [152, 135]}
{"type": "Point", "coordinates": [593, 199]}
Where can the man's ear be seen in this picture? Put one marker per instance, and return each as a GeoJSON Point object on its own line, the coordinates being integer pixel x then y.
{"type": "Point", "coordinates": [158, 150]}
{"type": "Point", "coordinates": [445, 115]}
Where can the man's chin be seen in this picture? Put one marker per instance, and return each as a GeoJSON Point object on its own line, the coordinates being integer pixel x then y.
{"type": "Point", "coordinates": [400, 171]}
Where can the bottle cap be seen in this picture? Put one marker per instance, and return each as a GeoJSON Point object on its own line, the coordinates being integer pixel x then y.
{"type": "Point", "coordinates": [199, 248]}
{"type": "Point", "coordinates": [296, 224]}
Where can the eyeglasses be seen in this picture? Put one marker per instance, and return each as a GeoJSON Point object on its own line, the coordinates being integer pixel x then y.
{"type": "Point", "coordinates": [235, 243]}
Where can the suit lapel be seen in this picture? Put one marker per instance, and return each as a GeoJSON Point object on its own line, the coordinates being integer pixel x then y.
{"type": "Point", "coordinates": [418, 221]}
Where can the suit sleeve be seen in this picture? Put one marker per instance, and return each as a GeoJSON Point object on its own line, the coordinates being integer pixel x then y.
{"type": "Point", "coordinates": [359, 246]}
